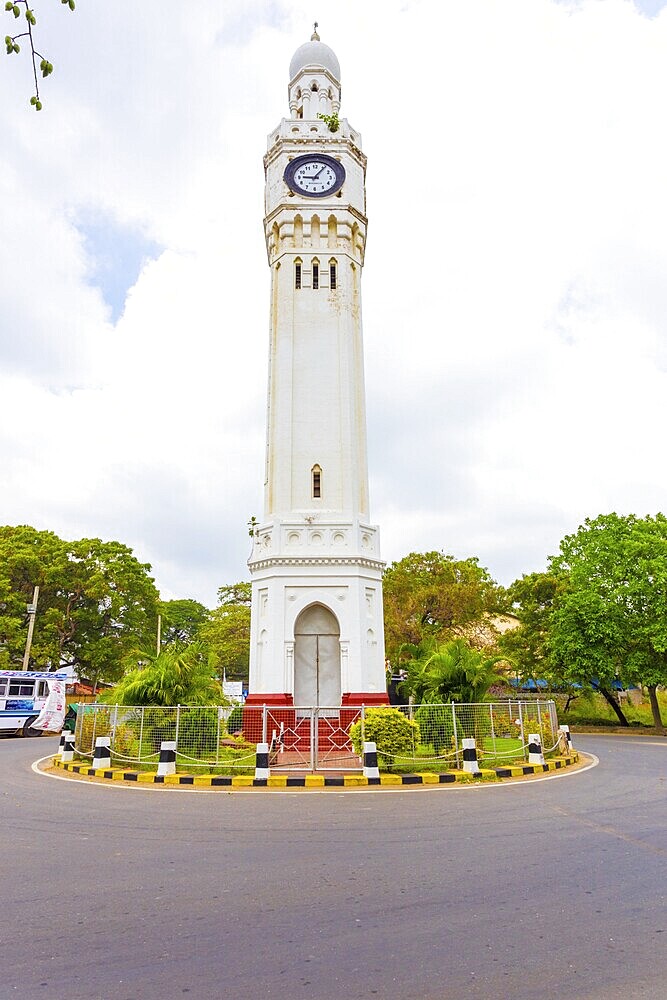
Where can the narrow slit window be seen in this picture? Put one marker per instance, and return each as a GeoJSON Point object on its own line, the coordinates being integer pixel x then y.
{"type": "Point", "coordinates": [316, 275]}
{"type": "Point", "coordinates": [297, 275]}
{"type": "Point", "coordinates": [332, 276]}
{"type": "Point", "coordinates": [317, 482]}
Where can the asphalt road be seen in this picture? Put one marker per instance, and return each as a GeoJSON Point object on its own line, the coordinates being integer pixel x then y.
{"type": "Point", "coordinates": [531, 891]}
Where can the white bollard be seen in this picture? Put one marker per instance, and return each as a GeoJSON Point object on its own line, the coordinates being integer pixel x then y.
{"type": "Point", "coordinates": [167, 762]}
{"type": "Point", "coordinates": [102, 752]}
{"type": "Point", "coordinates": [371, 769]}
{"type": "Point", "coordinates": [535, 755]}
{"type": "Point", "coordinates": [262, 761]}
{"type": "Point", "coordinates": [470, 756]}
{"type": "Point", "coordinates": [564, 732]}
{"type": "Point", "coordinates": [67, 753]}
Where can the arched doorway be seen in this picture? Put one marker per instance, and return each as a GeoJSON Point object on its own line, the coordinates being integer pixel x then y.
{"type": "Point", "coordinates": [317, 658]}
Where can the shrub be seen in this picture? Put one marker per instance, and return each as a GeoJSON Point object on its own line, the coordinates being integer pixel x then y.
{"type": "Point", "coordinates": [235, 720]}
{"type": "Point", "coordinates": [198, 731]}
{"type": "Point", "coordinates": [436, 726]}
{"type": "Point", "coordinates": [100, 723]}
{"type": "Point", "coordinates": [392, 732]}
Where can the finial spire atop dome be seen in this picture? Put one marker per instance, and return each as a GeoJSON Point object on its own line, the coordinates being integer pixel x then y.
{"type": "Point", "coordinates": [314, 54]}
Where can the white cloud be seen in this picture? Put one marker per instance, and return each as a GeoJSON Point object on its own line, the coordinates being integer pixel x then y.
{"type": "Point", "coordinates": [514, 297]}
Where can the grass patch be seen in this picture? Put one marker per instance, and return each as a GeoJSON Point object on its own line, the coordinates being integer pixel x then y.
{"type": "Point", "coordinates": [591, 709]}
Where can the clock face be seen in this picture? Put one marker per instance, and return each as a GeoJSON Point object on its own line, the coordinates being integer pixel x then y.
{"type": "Point", "coordinates": [316, 175]}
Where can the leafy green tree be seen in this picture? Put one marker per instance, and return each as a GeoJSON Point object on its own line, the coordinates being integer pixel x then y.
{"type": "Point", "coordinates": [177, 675]}
{"type": "Point", "coordinates": [181, 620]}
{"type": "Point", "coordinates": [96, 601]}
{"type": "Point", "coordinates": [453, 671]}
{"type": "Point", "coordinates": [227, 632]}
{"type": "Point", "coordinates": [611, 622]}
{"type": "Point", "coordinates": [534, 598]}
{"type": "Point", "coordinates": [430, 596]}
{"type": "Point", "coordinates": [20, 10]}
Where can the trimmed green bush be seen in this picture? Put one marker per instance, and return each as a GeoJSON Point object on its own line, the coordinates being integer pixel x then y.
{"type": "Point", "coordinates": [392, 732]}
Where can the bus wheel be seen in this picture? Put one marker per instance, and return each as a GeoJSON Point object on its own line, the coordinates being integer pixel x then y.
{"type": "Point", "coordinates": [28, 730]}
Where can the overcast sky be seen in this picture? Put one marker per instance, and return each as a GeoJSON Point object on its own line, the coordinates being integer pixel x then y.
{"type": "Point", "coordinates": [515, 290]}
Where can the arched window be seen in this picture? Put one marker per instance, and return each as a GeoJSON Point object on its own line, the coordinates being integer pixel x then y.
{"type": "Point", "coordinates": [316, 273]}
{"type": "Point", "coordinates": [297, 272]}
{"type": "Point", "coordinates": [333, 274]}
{"type": "Point", "coordinates": [316, 475]}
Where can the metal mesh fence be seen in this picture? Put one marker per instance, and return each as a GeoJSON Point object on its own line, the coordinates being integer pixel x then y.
{"type": "Point", "coordinates": [224, 738]}
{"type": "Point", "coordinates": [206, 736]}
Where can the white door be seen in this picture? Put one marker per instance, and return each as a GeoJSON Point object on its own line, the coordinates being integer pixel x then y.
{"type": "Point", "coordinates": [317, 658]}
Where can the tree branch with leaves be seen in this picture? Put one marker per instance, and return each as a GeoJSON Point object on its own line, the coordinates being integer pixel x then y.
{"type": "Point", "coordinates": [40, 64]}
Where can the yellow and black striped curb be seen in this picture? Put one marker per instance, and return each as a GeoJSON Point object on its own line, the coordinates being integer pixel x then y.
{"type": "Point", "coordinates": [315, 780]}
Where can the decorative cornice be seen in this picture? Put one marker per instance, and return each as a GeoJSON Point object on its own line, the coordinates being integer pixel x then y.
{"type": "Point", "coordinates": [255, 564]}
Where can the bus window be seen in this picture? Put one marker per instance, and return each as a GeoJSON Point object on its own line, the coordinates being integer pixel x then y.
{"type": "Point", "coordinates": [3, 689]}
{"type": "Point", "coordinates": [42, 689]}
{"type": "Point", "coordinates": [22, 689]}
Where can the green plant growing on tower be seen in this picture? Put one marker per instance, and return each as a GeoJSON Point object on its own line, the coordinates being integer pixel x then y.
{"type": "Point", "coordinates": [332, 121]}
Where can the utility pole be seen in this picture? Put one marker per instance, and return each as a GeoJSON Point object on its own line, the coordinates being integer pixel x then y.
{"type": "Point", "coordinates": [32, 611]}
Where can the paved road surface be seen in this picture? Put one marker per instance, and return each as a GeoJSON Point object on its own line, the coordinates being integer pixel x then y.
{"type": "Point", "coordinates": [523, 892]}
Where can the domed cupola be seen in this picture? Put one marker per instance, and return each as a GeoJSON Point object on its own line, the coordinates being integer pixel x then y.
{"type": "Point", "coordinates": [314, 86]}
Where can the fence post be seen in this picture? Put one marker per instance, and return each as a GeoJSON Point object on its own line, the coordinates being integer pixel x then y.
{"type": "Point", "coordinates": [314, 738]}
{"type": "Point", "coordinates": [371, 769]}
{"type": "Point", "coordinates": [167, 762]}
{"type": "Point", "coordinates": [456, 735]}
{"type": "Point", "coordinates": [523, 738]}
{"type": "Point", "coordinates": [141, 733]}
{"type": "Point", "coordinates": [493, 728]}
{"type": "Point", "coordinates": [102, 754]}
{"type": "Point", "coordinates": [264, 715]}
{"type": "Point", "coordinates": [217, 736]}
{"type": "Point", "coordinates": [535, 755]}
{"type": "Point", "coordinates": [67, 753]}
{"type": "Point", "coordinates": [262, 761]}
{"type": "Point", "coordinates": [470, 756]}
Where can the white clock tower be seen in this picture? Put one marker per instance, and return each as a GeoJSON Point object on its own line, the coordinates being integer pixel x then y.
{"type": "Point", "coordinates": [317, 631]}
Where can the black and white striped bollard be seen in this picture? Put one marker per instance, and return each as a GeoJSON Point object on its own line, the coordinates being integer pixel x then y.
{"type": "Point", "coordinates": [535, 755]}
{"type": "Point", "coordinates": [564, 732]}
{"type": "Point", "coordinates": [67, 752]}
{"type": "Point", "coordinates": [470, 756]}
{"type": "Point", "coordinates": [167, 762]}
{"type": "Point", "coordinates": [262, 761]}
{"type": "Point", "coordinates": [102, 753]}
{"type": "Point", "coordinates": [371, 769]}
{"type": "Point", "coordinates": [61, 745]}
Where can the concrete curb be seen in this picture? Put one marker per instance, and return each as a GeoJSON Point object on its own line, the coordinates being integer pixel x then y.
{"type": "Point", "coordinates": [314, 780]}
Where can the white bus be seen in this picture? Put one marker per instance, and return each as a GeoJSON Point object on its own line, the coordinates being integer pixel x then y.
{"type": "Point", "coordinates": [23, 694]}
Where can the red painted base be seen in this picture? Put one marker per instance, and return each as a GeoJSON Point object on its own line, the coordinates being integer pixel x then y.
{"type": "Point", "coordinates": [368, 698]}
{"type": "Point", "coordinates": [269, 699]}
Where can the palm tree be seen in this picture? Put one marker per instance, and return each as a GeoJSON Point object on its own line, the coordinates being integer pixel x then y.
{"type": "Point", "coordinates": [177, 675]}
{"type": "Point", "coordinates": [452, 672]}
